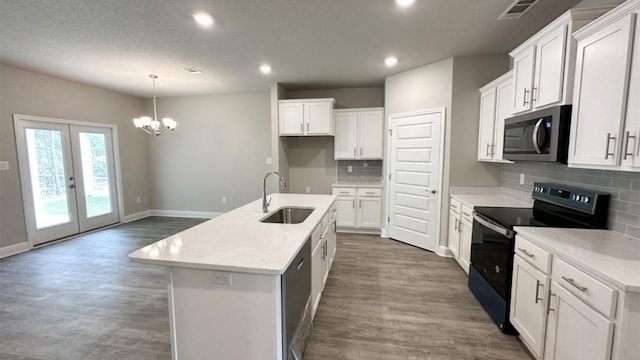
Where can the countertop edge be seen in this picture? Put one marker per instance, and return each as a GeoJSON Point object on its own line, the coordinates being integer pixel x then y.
{"type": "Point", "coordinates": [522, 230]}
{"type": "Point", "coordinates": [201, 266]}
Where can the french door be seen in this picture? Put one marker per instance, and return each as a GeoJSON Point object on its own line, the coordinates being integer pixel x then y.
{"type": "Point", "coordinates": [68, 178]}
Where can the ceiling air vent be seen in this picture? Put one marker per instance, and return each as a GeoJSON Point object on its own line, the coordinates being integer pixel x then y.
{"type": "Point", "coordinates": [517, 9]}
{"type": "Point", "coordinates": [192, 70]}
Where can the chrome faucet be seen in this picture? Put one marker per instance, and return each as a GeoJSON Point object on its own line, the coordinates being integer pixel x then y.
{"type": "Point", "coordinates": [283, 186]}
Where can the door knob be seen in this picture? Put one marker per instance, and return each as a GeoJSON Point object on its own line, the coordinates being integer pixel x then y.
{"type": "Point", "coordinates": [70, 177]}
{"type": "Point", "coordinates": [72, 186]}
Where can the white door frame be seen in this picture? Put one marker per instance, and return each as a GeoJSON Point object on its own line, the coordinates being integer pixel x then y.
{"type": "Point", "coordinates": [387, 193]}
{"type": "Point", "coordinates": [18, 118]}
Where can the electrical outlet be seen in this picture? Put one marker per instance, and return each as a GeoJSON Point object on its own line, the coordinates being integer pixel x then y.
{"type": "Point", "coordinates": [224, 199]}
{"type": "Point", "coordinates": [138, 199]}
{"type": "Point", "coordinates": [349, 168]}
{"type": "Point", "coordinates": [4, 165]}
{"type": "Point", "coordinates": [521, 179]}
{"type": "Point", "coordinates": [308, 190]}
{"type": "Point", "coordinates": [269, 161]}
{"type": "Point", "coordinates": [221, 278]}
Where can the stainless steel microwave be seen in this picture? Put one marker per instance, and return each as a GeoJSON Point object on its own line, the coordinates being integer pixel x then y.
{"type": "Point", "coordinates": [541, 135]}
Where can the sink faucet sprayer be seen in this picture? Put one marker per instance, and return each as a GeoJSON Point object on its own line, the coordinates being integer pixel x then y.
{"type": "Point", "coordinates": [283, 186]}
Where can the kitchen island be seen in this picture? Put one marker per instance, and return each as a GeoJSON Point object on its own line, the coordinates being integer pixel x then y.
{"type": "Point", "coordinates": [225, 279]}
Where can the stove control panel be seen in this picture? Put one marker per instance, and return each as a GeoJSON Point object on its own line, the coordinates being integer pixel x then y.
{"type": "Point", "coordinates": [569, 196]}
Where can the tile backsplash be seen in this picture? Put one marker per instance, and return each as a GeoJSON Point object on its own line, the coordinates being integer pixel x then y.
{"type": "Point", "coordinates": [624, 187]}
{"type": "Point", "coordinates": [363, 171]}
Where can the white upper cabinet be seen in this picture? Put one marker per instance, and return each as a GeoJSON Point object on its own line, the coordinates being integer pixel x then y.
{"type": "Point", "coordinates": [604, 106]}
{"type": "Point", "coordinates": [496, 104]}
{"type": "Point", "coordinates": [306, 117]}
{"type": "Point", "coordinates": [543, 65]}
{"type": "Point", "coordinates": [359, 133]}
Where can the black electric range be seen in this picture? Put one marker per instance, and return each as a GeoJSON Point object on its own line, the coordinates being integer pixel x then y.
{"type": "Point", "coordinates": [493, 239]}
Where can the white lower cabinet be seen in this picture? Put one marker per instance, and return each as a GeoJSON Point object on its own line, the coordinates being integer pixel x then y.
{"type": "Point", "coordinates": [528, 305]}
{"type": "Point", "coordinates": [575, 330]}
{"type": "Point", "coordinates": [460, 231]}
{"type": "Point", "coordinates": [563, 313]}
{"type": "Point", "coordinates": [322, 255]}
{"type": "Point", "coordinates": [358, 208]}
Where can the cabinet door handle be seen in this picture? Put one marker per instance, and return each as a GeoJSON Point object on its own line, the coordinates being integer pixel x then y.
{"type": "Point", "coordinates": [493, 150]}
{"type": "Point", "coordinates": [626, 146]}
{"type": "Point", "coordinates": [607, 153]}
{"type": "Point", "coordinates": [360, 151]}
{"type": "Point", "coordinates": [533, 94]}
{"type": "Point", "coordinates": [301, 127]}
{"type": "Point", "coordinates": [488, 145]}
{"type": "Point", "coordinates": [353, 203]}
{"type": "Point", "coordinates": [360, 203]}
{"type": "Point", "coordinates": [549, 309]}
{"type": "Point", "coordinates": [354, 152]}
{"type": "Point", "coordinates": [456, 227]}
{"type": "Point", "coordinates": [307, 127]}
{"type": "Point", "coordinates": [537, 290]}
{"type": "Point", "coordinates": [524, 251]}
{"type": "Point", "coordinates": [573, 283]}
{"type": "Point", "coordinates": [524, 99]}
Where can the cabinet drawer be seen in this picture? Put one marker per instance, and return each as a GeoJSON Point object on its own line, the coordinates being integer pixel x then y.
{"type": "Point", "coordinates": [467, 214]}
{"type": "Point", "coordinates": [370, 192]}
{"type": "Point", "coordinates": [534, 255]}
{"type": "Point", "coordinates": [315, 236]}
{"type": "Point", "coordinates": [583, 286]}
{"type": "Point", "coordinates": [344, 191]}
{"type": "Point", "coordinates": [455, 205]}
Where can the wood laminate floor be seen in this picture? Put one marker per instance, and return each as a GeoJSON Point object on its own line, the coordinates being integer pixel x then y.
{"type": "Point", "coordinates": [83, 299]}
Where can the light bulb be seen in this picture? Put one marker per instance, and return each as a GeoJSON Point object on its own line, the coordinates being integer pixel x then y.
{"type": "Point", "coordinates": [169, 123]}
{"type": "Point", "coordinates": [203, 19]}
{"type": "Point", "coordinates": [265, 69]}
{"type": "Point", "coordinates": [391, 61]}
{"type": "Point", "coordinates": [405, 3]}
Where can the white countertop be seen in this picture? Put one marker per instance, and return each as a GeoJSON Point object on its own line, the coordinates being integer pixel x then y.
{"type": "Point", "coordinates": [237, 241]}
{"type": "Point", "coordinates": [472, 200]}
{"type": "Point", "coordinates": [606, 254]}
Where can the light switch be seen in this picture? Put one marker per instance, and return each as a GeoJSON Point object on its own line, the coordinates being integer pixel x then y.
{"type": "Point", "coordinates": [4, 165]}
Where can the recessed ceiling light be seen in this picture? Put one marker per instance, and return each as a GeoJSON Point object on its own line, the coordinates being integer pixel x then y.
{"type": "Point", "coordinates": [391, 61]}
{"type": "Point", "coordinates": [405, 3]}
{"type": "Point", "coordinates": [192, 70]}
{"type": "Point", "coordinates": [203, 19]}
{"type": "Point", "coordinates": [265, 69]}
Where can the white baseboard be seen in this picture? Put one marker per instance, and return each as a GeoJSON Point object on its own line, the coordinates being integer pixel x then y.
{"type": "Point", "coordinates": [14, 249]}
{"type": "Point", "coordinates": [444, 251]}
{"type": "Point", "coordinates": [136, 216]}
{"type": "Point", "coordinates": [358, 231]}
{"type": "Point", "coordinates": [185, 214]}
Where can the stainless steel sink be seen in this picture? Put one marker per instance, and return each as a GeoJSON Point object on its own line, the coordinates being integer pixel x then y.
{"type": "Point", "coordinates": [288, 215]}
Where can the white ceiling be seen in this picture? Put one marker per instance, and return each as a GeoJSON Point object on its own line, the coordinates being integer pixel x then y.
{"type": "Point", "coordinates": [309, 43]}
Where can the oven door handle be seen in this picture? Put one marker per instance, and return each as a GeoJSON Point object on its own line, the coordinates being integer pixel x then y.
{"type": "Point", "coordinates": [497, 228]}
{"type": "Point", "coordinates": [536, 130]}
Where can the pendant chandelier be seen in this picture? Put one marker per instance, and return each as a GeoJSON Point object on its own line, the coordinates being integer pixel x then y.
{"type": "Point", "coordinates": [153, 126]}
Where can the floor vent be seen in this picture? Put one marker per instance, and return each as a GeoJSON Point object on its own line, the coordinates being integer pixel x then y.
{"type": "Point", "coordinates": [517, 9]}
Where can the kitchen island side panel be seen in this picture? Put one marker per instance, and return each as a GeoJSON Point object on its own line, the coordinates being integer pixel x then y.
{"type": "Point", "coordinates": [237, 321]}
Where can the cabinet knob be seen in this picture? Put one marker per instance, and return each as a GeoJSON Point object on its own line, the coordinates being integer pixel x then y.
{"type": "Point", "coordinates": [430, 191]}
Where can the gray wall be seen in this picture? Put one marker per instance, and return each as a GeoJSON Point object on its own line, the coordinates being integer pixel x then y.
{"type": "Point", "coordinates": [451, 83]}
{"type": "Point", "coordinates": [624, 187]}
{"type": "Point", "coordinates": [469, 74]}
{"type": "Point", "coordinates": [29, 93]}
{"type": "Point", "coordinates": [218, 149]}
{"type": "Point", "coordinates": [345, 98]}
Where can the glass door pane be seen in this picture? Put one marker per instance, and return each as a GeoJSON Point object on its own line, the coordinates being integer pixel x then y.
{"type": "Point", "coordinates": [93, 161]}
{"type": "Point", "coordinates": [95, 173]}
{"type": "Point", "coordinates": [48, 179]}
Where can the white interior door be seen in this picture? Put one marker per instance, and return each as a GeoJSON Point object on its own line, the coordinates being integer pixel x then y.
{"type": "Point", "coordinates": [415, 169]}
{"type": "Point", "coordinates": [68, 178]}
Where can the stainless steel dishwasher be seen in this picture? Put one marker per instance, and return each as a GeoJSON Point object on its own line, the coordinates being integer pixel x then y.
{"type": "Point", "coordinates": [296, 291]}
